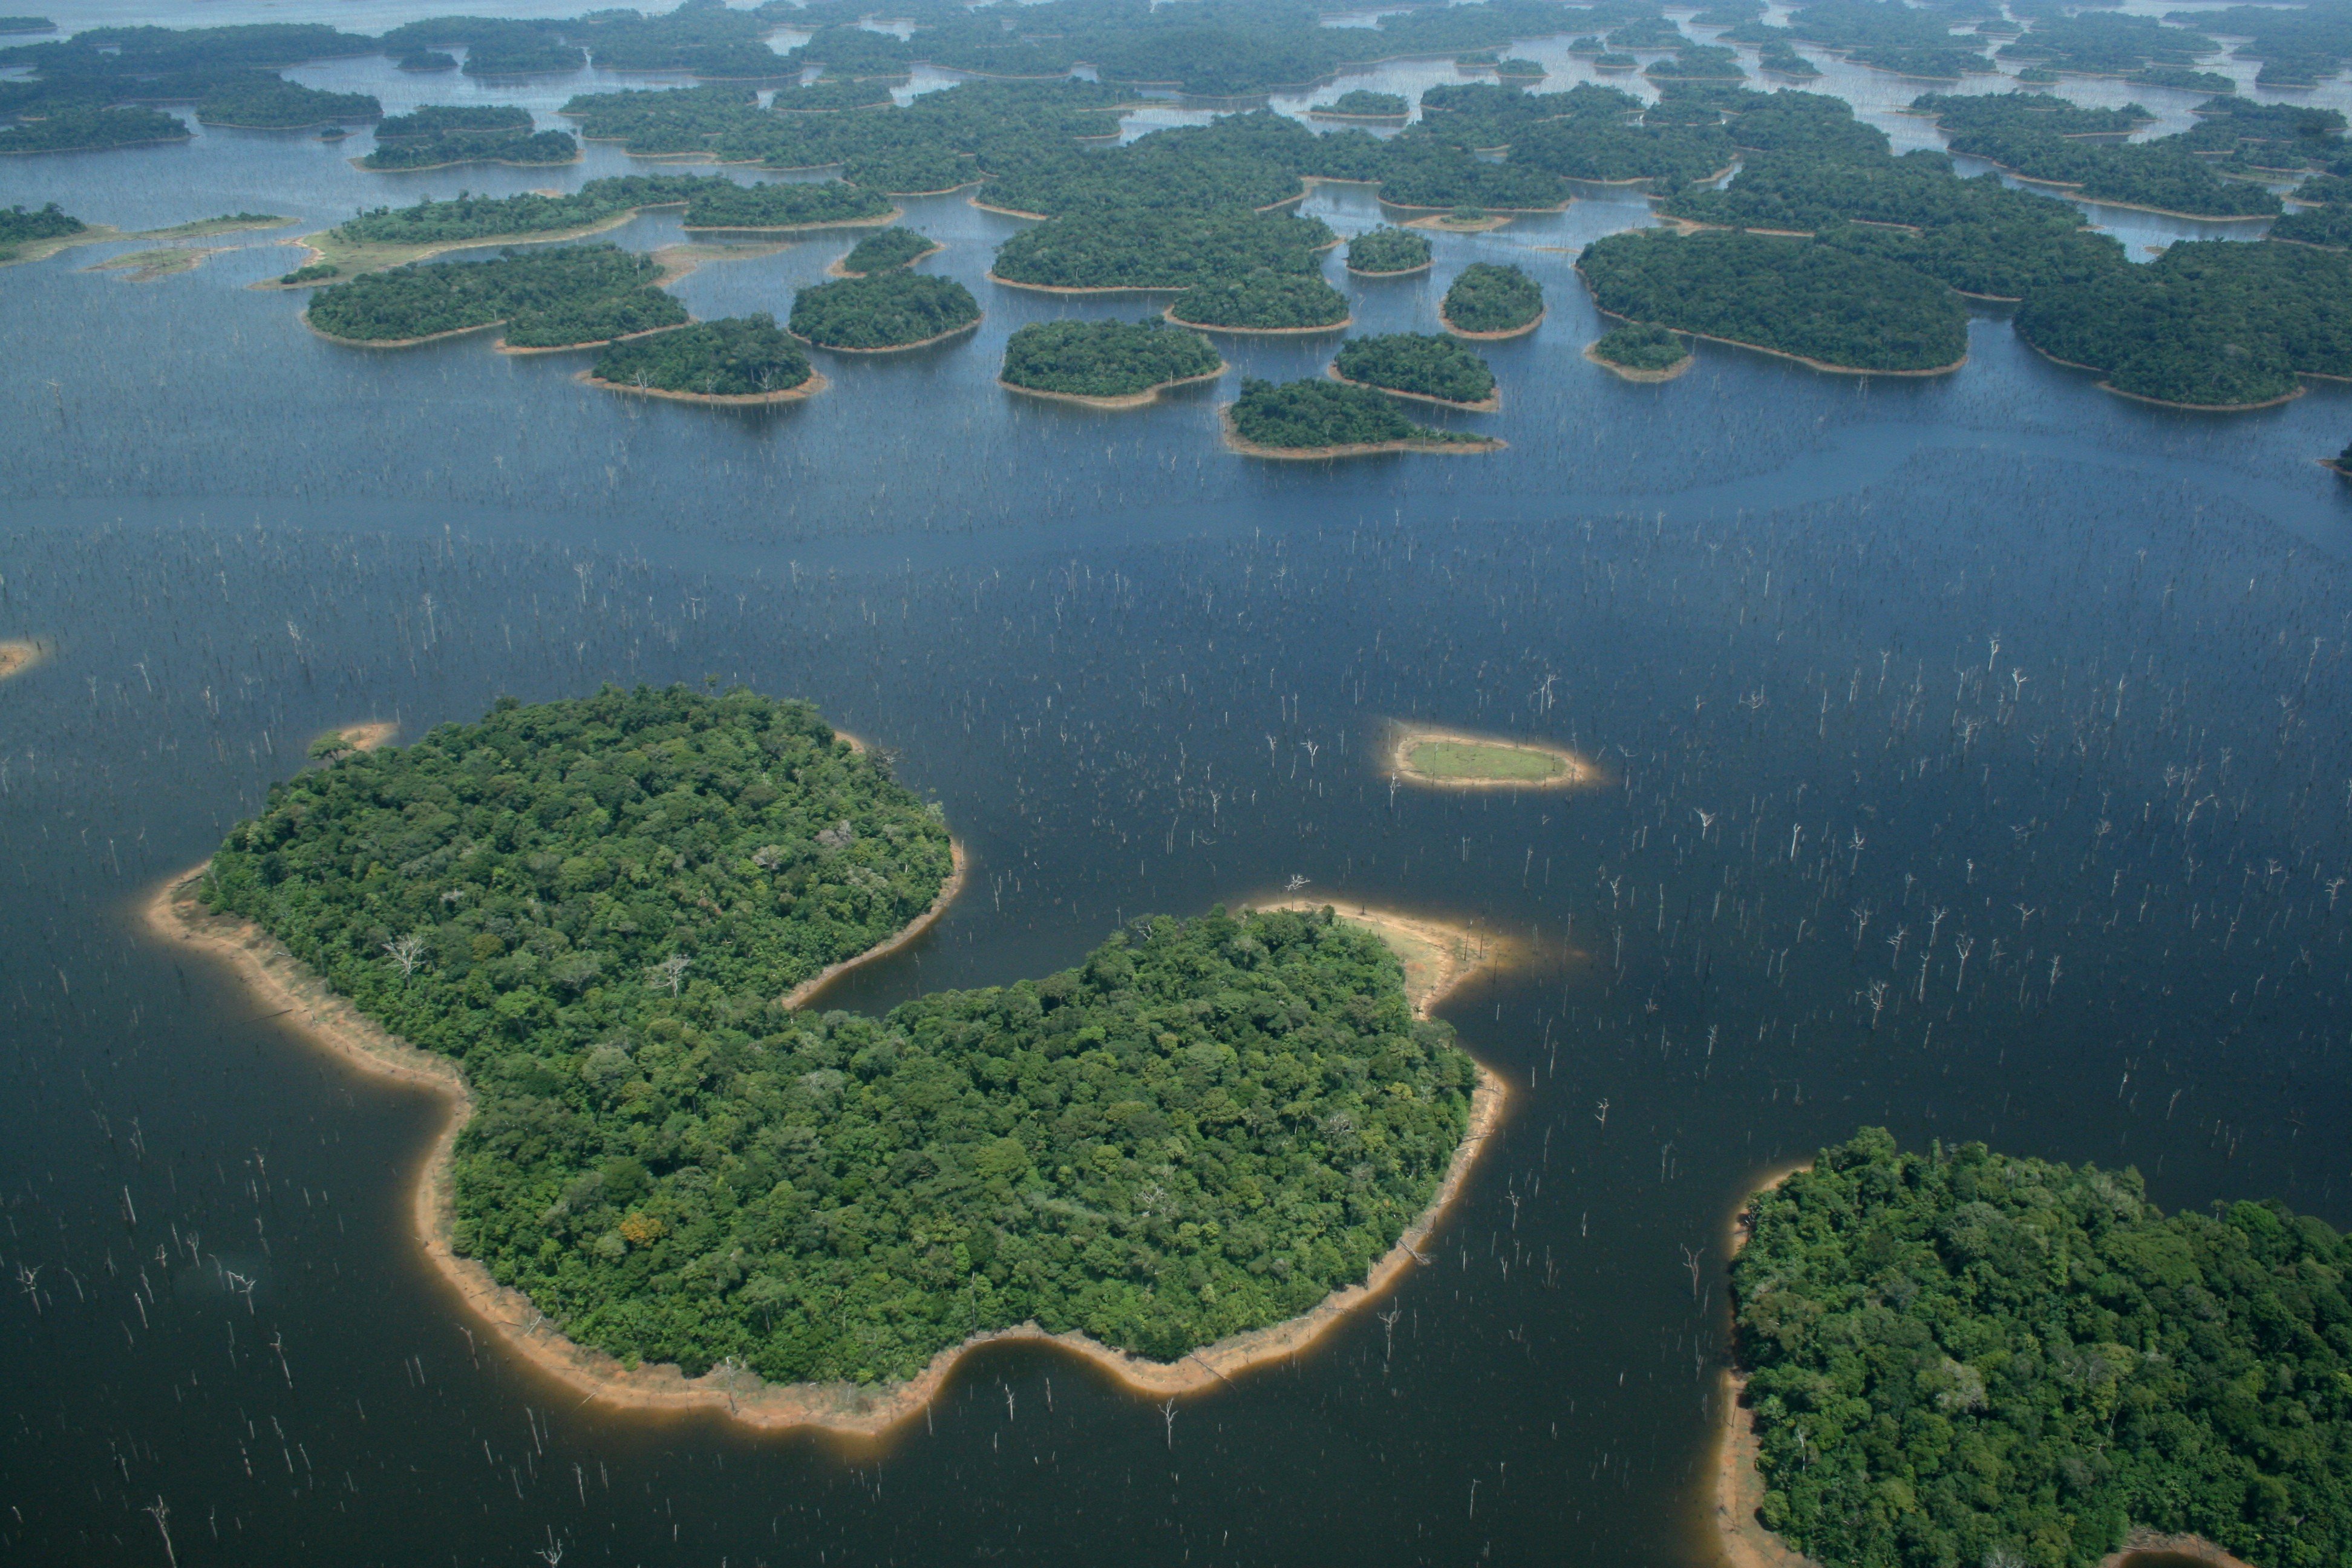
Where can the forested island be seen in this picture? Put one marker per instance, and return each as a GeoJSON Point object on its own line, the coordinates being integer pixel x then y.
{"type": "Point", "coordinates": [1637, 353]}
{"type": "Point", "coordinates": [894, 310]}
{"type": "Point", "coordinates": [20, 227]}
{"type": "Point", "coordinates": [778, 207]}
{"type": "Point", "coordinates": [1433, 369]}
{"type": "Point", "coordinates": [1790, 297]}
{"type": "Point", "coordinates": [2040, 138]}
{"type": "Point", "coordinates": [1263, 302]}
{"type": "Point", "coordinates": [1963, 1356]}
{"type": "Point", "coordinates": [1108, 365]}
{"type": "Point", "coordinates": [734, 360]}
{"type": "Point", "coordinates": [82, 129]}
{"type": "Point", "coordinates": [569, 296]}
{"type": "Point", "coordinates": [595, 918]}
{"type": "Point", "coordinates": [265, 103]}
{"type": "Point", "coordinates": [1388, 253]}
{"type": "Point", "coordinates": [880, 252]}
{"type": "Point", "coordinates": [1490, 302]}
{"type": "Point", "coordinates": [440, 136]}
{"type": "Point", "coordinates": [1308, 420]}
{"type": "Point", "coordinates": [1362, 104]}
{"type": "Point", "coordinates": [1154, 250]}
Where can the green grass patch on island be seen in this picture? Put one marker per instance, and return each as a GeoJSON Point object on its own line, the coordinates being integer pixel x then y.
{"type": "Point", "coordinates": [1961, 1356]}
{"type": "Point", "coordinates": [1476, 761]}
{"type": "Point", "coordinates": [887, 310]}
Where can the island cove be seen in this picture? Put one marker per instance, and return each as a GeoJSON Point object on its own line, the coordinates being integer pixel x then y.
{"type": "Point", "coordinates": [468, 1197]}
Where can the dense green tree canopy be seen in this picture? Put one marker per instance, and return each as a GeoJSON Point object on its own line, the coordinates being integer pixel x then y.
{"type": "Point", "coordinates": [885, 249]}
{"type": "Point", "coordinates": [1965, 1357]}
{"type": "Point", "coordinates": [467, 216]}
{"type": "Point", "coordinates": [1105, 359]}
{"type": "Point", "coordinates": [548, 298]}
{"type": "Point", "coordinates": [1308, 416]}
{"type": "Point", "coordinates": [1153, 249]}
{"type": "Point", "coordinates": [50, 222]}
{"type": "Point", "coordinates": [76, 129]}
{"type": "Point", "coordinates": [261, 101]}
{"type": "Point", "coordinates": [736, 356]}
{"type": "Point", "coordinates": [1794, 296]}
{"type": "Point", "coordinates": [1427, 366]}
{"type": "Point", "coordinates": [1261, 301]}
{"type": "Point", "coordinates": [2040, 137]}
{"type": "Point", "coordinates": [889, 309]}
{"type": "Point", "coordinates": [723, 204]}
{"type": "Point", "coordinates": [1641, 348]}
{"type": "Point", "coordinates": [1484, 297]}
{"type": "Point", "coordinates": [1364, 104]}
{"type": "Point", "coordinates": [539, 150]}
{"type": "Point", "coordinates": [1388, 250]}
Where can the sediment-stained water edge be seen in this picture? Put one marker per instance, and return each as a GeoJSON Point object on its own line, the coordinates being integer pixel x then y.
{"type": "Point", "coordinates": [1969, 759]}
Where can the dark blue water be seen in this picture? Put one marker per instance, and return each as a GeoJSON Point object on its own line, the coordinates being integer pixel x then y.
{"type": "Point", "coordinates": [1994, 661]}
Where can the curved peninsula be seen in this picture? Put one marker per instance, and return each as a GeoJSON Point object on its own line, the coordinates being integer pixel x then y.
{"type": "Point", "coordinates": [679, 1280]}
{"type": "Point", "coordinates": [1312, 420]}
{"type": "Point", "coordinates": [735, 362]}
{"type": "Point", "coordinates": [1105, 364]}
{"type": "Point", "coordinates": [1423, 366]}
{"type": "Point", "coordinates": [883, 313]}
{"type": "Point", "coordinates": [1952, 1353]}
{"type": "Point", "coordinates": [1490, 302]}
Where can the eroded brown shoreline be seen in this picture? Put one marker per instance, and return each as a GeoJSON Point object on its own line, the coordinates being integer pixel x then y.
{"type": "Point", "coordinates": [285, 986]}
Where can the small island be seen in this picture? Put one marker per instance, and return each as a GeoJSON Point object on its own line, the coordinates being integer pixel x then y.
{"type": "Point", "coordinates": [1105, 364]}
{"type": "Point", "coordinates": [819, 860]}
{"type": "Point", "coordinates": [1513, 67]}
{"type": "Point", "coordinates": [1364, 105]}
{"type": "Point", "coordinates": [1425, 367]}
{"type": "Point", "coordinates": [443, 136]}
{"type": "Point", "coordinates": [884, 314]}
{"type": "Point", "coordinates": [735, 362]}
{"type": "Point", "coordinates": [2341, 462]}
{"type": "Point", "coordinates": [2030, 1356]}
{"type": "Point", "coordinates": [1126, 251]}
{"type": "Point", "coordinates": [571, 297]}
{"type": "Point", "coordinates": [82, 128]}
{"type": "Point", "coordinates": [1310, 420]}
{"type": "Point", "coordinates": [884, 250]}
{"type": "Point", "coordinates": [19, 655]}
{"type": "Point", "coordinates": [1491, 302]}
{"type": "Point", "coordinates": [1388, 252]}
{"type": "Point", "coordinates": [1449, 759]}
{"type": "Point", "coordinates": [1641, 353]}
{"type": "Point", "coordinates": [1268, 303]}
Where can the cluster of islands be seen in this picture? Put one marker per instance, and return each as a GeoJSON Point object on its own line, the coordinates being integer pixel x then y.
{"type": "Point", "coordinates": [594, 925]}
{"type": "Point", "coordinates": [1822, 245]}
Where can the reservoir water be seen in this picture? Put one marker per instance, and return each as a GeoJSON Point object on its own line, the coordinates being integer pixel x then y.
{"type": "Point", "coordinates": [1976, 766]}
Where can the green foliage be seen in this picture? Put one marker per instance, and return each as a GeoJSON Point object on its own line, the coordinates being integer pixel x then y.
{"type": "Point", "coordinates": [1882, 33]}
{"type": "Point", "coordinates": [664, 121]}
{"type": "Point", "coordinates": [540, 149]}
{"type": "Point", "coordinates": [436, 119]}
{"type": "Point", "coordinates": [736, 356]}
{"type": "Point", "coordinates": [890, 309]}
{"type": "Point", "coordinates": [2329, 223]}
{"type": "Point", "coordinates": [1306, 415]}
{"type": "Point", "coordinates": [1593, 148]}
{"type": "Point", "coordinates": [1105, 359]}
{"type": "Point", "coordinates": [262, 101]}
{"type": "Point", "coordinates": [1489, 298]}
{"type": "Point", "coordinates": [2209, 323]}
{"type": "Point", "coordinates": [704, 37]}
{"type": "Point", "coordinates": [1428, 365]}
{"type": "Point", "coordinates": [2106, 43]}
{"type": "Point", "coordinates": [830, 96]}
{"type": "Point", "coordinates": [472, 218]}
{"type": "Point", "coordinates": [493, 46]}
{"type": "Point", "coordinates": [1698, 62]}
{"type": "Point", "coordinates": [1516, 69]}
{"type": "Point", "coordinates": [723, 204]}
{"type": "Point", "coordinates": [2038, 137]}
{"type": "Point", "coordinates": [1261, 301]}
{"type": "Point", "coordinates": [1641, 348]}
{"type": "Point", "coordinates": [427, 60]}
{"type": "Point", "coordinates": [1781, 59]}
{"type": "Point", "coordinates": [1965, 1357]}
{"type": "Point", "coordinates": [887, 248]}
{"type": "Point", "coordinates": [79, 130]}
{"type": "Point", "coordinates": [1160, 249]}
{"type": "Point", "coordinates": [1794, 296]}
{"type": "Point", "coordinates": [27, 25]}
{"type": "Point", "coordinates": [548, 298]}
{"type": "Point", "coordinates": [49, 222]}
{"type": "Point", "coordinates": [1385, 250]}
{"type": "Point", "coordinates": [2298, 48]}
{"type": "Point", "coordinates": [316, 272]}
{"type": "Point", "coordinates": [2183, 78]}
{"type": "Point", "coordinates": [1363, 103]}
{"type": "Point", "coordinates": [2266, 136]}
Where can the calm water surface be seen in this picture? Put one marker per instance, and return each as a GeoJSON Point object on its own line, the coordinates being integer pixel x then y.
{"type": "Point", "coordinates": [1976, 766]}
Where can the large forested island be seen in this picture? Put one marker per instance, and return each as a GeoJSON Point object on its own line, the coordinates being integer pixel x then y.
{"type": "Point", "coordinates": [1813, 302]}
{"type": "Point", "coordinates": [569, 296]}
{"type": "Point", "coordinates": [734, 360]}
{"type": "Point", "coordinates": [597, 912]}
{"type": "Point", "coordinates": [1110, 364]}
{"type": "Point", "coordinates": [1306, 420]}
{"type": "Point", "coordinates": [1422, 365]}
{"type": "Point", "coordinates": [1959, 1356]}
{"type": "Point", "coordinates": [887, 310]}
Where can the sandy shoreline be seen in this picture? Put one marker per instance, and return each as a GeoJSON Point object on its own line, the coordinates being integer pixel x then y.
{"type": "Point", "coordinates": [1490, 404]}
{"type": "Point", "coordinates": [971, 325]}
{"type": "Point", "coordinates": [20, 655]}
{"type": "Point", "coordinates": [1577, 771]}
{"type": "Point", "coordinates": [1143, 399]}
{"type": "Point", "coordinates": [835, 269]}
{"type": "Point", "coordinates": [1642, 377]}
{"type": "Point", "coordinates": [1234, 442]}
{"type": "Point", "coordinates": [1494, 337]}
{"type": "Point", "coordinates": [1437, 958]}
{"type": "Point", "coordinates": [816, 383]}
{"type": "Point", "coordinates": [1342, 325]}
